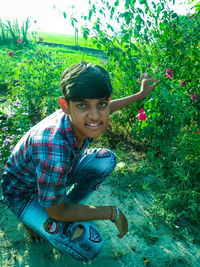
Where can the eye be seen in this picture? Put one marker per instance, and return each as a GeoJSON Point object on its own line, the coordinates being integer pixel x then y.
{"type": "Point", "coordinates": [103, 104]}
{"type": "Point", "coordinates": [81, 106]}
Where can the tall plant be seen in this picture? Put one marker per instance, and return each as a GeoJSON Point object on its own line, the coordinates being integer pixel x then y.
{"type": "Point", "coordinates": [12, 34]}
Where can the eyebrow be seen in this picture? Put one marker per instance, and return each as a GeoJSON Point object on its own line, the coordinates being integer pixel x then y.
{"type": "Point", "coordinates": [86, 100]}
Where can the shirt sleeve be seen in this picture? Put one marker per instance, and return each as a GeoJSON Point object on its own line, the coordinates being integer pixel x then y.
{"type": "Point", "coordinates": [51, 181]}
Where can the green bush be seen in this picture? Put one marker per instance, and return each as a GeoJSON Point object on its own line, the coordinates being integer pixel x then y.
{"type": "Point", "coordinates": [37, 80]}
{"type": "Point", "coordinates": [15, 123]}
{"type": "Point", "coordinates": [152, 38]}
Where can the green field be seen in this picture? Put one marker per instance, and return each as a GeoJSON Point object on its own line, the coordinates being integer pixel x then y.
{"type": "Point", "coordinates": [65, 39]}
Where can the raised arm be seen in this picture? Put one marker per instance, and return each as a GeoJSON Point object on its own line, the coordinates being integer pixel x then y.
{"type": "Point", "coordinates": [146, 87]}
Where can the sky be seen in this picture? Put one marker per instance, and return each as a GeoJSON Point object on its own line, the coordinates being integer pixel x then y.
{"type": "Point", "coordinates": [48, 13]}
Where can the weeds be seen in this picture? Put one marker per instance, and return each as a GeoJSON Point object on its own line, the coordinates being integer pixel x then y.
{"type": "Point", "coordinates": [11, 32]}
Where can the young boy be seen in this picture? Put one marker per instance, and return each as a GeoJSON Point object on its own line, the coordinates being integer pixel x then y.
{"type": "Point", "coordinates": [50, 171]}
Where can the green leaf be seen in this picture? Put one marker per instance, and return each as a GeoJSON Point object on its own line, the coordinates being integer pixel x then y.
{"type": "Point", "coordinates": [98, 46]}
{"type": "Point", "coordinates": [126, 37]}
{"type": "Point", "coordinates": [116, 3]}
{"type": "Point", "coordinates": [158, 10]}
{"type": "Point", "coordinates": [149, 23]}
{"type": "Point", "coordinates": [138, 19]}
{"type": "Point", "coordinates": [90, 14]}
{"type": "Point", "coordinates": [174, 15]}
{"type": "Point", "coordinates": [64, 14]}
{"type": "Point", "coordinates": [132, 3]}
{"type": "Point", "coordinates": [142, 2]}
{"type": "Point", "coordinates": [140, 11]}
{"type": "Point", "coordinates": [154, 5]}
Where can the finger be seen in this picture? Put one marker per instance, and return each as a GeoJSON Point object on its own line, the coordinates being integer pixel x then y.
{"type": "Point", "coordinates": [150, 80]}
{"type": "Point", "coordinates": [156, 83]}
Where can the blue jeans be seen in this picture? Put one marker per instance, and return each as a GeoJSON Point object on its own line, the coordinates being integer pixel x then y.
{"type": "Point", "coordinates": [88, 173]}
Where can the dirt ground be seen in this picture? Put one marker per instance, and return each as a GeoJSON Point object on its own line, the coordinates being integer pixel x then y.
{"type": "Point", "coordinates": [148, 243]}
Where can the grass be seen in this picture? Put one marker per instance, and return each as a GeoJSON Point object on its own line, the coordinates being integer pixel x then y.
{"type": "Point", "coordinates": [66, 39]}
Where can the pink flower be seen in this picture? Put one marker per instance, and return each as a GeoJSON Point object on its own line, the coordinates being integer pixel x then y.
{"type": "Point", "coordinates": [198, 130]}
{"type": "Point", "coordinates": [5, 128]}
{"type": "Point", "coordinates": [11, 54]}
{"type": "Point", "coordinates": [20, 40]}
{"type": "Point", "coordinates": [30, 61]}
{"type": "Point", "coordinates": [142, 116]}
{"type": "Point", "coordinates": [169, 73]}
{"type": "Point", "coordinates": [5, 143]}
{"type": "Point", "coordinates": [194, 97]}
{"type": "Point", "coordinates": [17, 103]}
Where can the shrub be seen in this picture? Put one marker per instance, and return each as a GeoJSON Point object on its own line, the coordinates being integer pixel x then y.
{"type": "Point", "coordinates": [154, 39]}
{"type": "Point", "coordinates": [15, 123]}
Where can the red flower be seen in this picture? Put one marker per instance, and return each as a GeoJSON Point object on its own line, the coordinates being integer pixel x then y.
{"type": "Point", "coordinates": [142, 116]}
{"type": "Point", "coordinates": [11, 54]}
{"type": "Point", "coordinates": [169, 73]}
{"type": "Point", "coordinates": [183, 83]}
{"type": "Point", "coordinates": [198, 130]}
{"type": "Point", "coordinates": [20, 40]}
{"type": "Point", "coordinates": [194, 97]}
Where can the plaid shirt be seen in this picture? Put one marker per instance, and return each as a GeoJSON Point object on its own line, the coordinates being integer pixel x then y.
{"type": "Point", "coordinates": [41, 161]}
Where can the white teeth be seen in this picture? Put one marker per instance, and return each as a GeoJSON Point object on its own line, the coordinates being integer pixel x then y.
{"type": "Point", "coordinates": [93, 124]}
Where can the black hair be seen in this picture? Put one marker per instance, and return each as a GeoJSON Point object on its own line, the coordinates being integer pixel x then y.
{"type": "Point", "coordinates": [85, 81]}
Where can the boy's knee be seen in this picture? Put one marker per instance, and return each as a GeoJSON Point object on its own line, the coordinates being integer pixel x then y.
{"type": "Point", "coordinates": [108, 160]}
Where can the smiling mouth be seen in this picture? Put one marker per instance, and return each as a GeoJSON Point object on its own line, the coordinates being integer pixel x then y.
{"type": "Point", "coordinates": [94, 125]}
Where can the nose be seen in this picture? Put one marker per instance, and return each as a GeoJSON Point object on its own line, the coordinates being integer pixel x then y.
{"type": "Point", "coordinates": [93, 114]}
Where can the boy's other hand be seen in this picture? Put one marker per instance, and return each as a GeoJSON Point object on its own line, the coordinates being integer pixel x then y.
{"type": "Point", "coordinates": [145, 81]}
{"type": "Point", "coordinates": [122, 224]}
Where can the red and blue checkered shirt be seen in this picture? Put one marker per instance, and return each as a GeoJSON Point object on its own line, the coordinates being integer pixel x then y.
{"type": "Point", "coordinates": [41, 161]}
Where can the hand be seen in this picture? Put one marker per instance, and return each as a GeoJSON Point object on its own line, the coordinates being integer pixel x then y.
{"type": "Point", "coordinates": [146, 87]}
{"type": "Point", "coordinates": [121, 224]}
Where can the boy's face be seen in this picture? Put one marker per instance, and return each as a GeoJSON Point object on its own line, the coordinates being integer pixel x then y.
{"type": "Point", "coordinates": [88, 117]}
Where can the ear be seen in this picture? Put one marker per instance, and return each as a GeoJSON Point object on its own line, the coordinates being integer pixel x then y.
{"type": "Point", "coordinates": [64, 105]}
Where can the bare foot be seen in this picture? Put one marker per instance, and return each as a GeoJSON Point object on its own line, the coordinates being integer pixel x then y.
{"type": "Point", "coordinates": [33, 236]}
